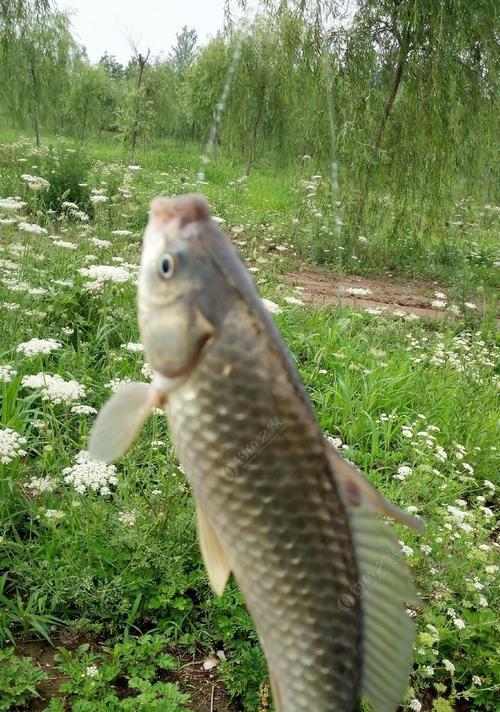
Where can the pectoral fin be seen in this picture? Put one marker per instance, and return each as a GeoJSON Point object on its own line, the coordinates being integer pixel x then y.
{"type": "Point", "coordinates": [214, 556]}
{"type": "Point", "coordinates": [358, 491]}
{"type": "Point", "coordinates": [120, 420]}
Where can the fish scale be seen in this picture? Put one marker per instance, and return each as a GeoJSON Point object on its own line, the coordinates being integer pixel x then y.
{"type": "Point", "coordinates": [274, 510]}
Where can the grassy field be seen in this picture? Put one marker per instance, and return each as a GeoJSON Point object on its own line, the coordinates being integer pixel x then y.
{"type": "Point", "coordinates": [102, 562]}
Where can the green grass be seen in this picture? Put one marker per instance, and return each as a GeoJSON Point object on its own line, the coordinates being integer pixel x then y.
{"type": "Point", "coordinates": [111, 569]}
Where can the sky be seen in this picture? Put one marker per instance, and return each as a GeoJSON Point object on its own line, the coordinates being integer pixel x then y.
{"type": "Point", "coordinates": [103, 25]}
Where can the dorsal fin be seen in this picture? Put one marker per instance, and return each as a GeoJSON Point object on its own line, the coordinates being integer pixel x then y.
{"type": "Point", "coordinates": [385, 587]}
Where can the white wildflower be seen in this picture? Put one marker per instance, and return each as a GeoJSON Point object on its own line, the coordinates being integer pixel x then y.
{"type": "Point", "coordinates": [458, 623]}
{"type": "Point", "coordinates": [90, 475]}
{"type": "Point", "coordinates": [7, 373]}
{"type": "Point", "coordinates": [131, 346]}
{"type": "Point", "coordinates": [35, 182]}
{"type": "Point", "coordinates": [448, 665]}
{"type": "Point", "coordinates": [271, 306]}
{"type": "Point", "coordinates": [294, 300]}
{"type": "Point", "coordinates": [95, 199]}
{"type": "Point", "coordinates": [403, 472]}
{"type": "Point", "coordinates": [83, 409]}
{"type": "Point", "coordinates": [32, 227]}
{"type": "Point", "coordinates": [100, 243]}
{"type": "Point", "coordinates": [11, 203]}
{"type": "Point", "coordinates": [54, 514]}
{"type": "Point", "coordinates": [121, 232]}
{"type": "Point", "coordinates": [100, 274]}
{"type": "Point", "coordinates": [438, 304]}
{"type": "Point", "coordinates": [92, 671]}
{"type": "Point", "coordinates": [116, 383]}
{"type": "Point", "coordinates": [34, 347]}
{"type": "Point", "coordinates": [10, 445]}
{"type": "Point", "coordinates": [128, 518]}
{"type": "Point", "coordinates": [476, 680]}
{"type": "Point", "coordinates": [357, 291]}
{"type": "Point", "coordinates": [64, 243]}
{"type": "Point", "coordinates": [415, 705]}
{"type": "Point", "coordinates": [54, 388]}
{"type": "Point", "coordinates": [407, 550]}
{"type": "Point", "coordinates": [41, 484]}
{"type": "Point", "coordinates": [147, 370]}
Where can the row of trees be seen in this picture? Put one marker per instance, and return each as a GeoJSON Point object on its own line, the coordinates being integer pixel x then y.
{"type": "Point", "coordinates": [401, 93]}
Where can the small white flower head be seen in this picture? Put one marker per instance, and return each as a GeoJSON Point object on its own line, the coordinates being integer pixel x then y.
{"type": "Point", "coordinates": [128, 518]}
{"type": "Point", "coordinates": [99, 275]}
{"type": "Point", "coordinates": [34, 347]}
{"type": "Point", "coordinates": [83, 409]}
{"type": "Point", "coordinates": [11, 445]}
{"type": "Point", "coordinates": [448, 665]}
{"type": "Point", "coordinates": [415, 705]}
{"type": "Point", "coordinates": [438, 304]}
{"type": "Point", "coordinates": [11, 203]}
{"type": "Point", "coordinates": [116, 383]}
{"type": "Point", "coordinates": [294, 300]}
{"type": "Point", "coordinates": [32, 228]}
{"type": "Point", "coordinates": [54, 388]}
{"type": "Point", "coordinates": [476, 680]}
{"type": "Point", "coordinates": [357, 291]}
{"type": "Point", "coordinates": [458, 623]}
{"type": "Point", "coordinates": [131, 346]}
{"type": "Point", "coordinates": [100, 243]}
{"type": "Point", "coordinates": [96, 199]}
{"type": "Point", "coordinates": [407, 550]}
{"type": "Point", "coordinates": [147, 370]}
{"type": "Point", "coordinates": [54, 514]}
{"type": "Point", "coordinates": [271, 306]}
{"type": "Point", "coordinates": [89, 475]}
{"type": "Point", "coordinates": [92, 671]}
{"type": "Point", "coordinates": [37, 485]}
{"type": "Point", "coordinates": [7, 373]}
{"type": "Point", "coordinates": [35, 182]}
{"type": "Point", "coordinates": [403, 472]}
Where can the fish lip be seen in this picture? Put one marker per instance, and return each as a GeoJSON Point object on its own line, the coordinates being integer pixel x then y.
{"type": "Point", "coordinates": [171, 372]}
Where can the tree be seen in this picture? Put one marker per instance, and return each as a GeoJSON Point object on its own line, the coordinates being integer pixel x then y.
{"type": "Point", "coordinates": [183, 53]}
{"type": "Point", "coordinates": [137, 106]}
{"type": "Point", "coordinates": [36, 66]}
{"type": "Point", "coordinates": [89, 89]}
{"type": "Point", "coordinates": [111, 66]}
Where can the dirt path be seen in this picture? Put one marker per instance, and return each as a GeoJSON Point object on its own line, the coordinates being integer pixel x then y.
{"type": "Point", "coordinates": [389, 295]}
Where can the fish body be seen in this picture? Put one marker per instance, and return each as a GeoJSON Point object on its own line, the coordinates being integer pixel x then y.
{"type": "Point", "coordinates": [277, 505]}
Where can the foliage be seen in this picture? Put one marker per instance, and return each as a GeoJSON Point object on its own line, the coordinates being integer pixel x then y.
{"type": "Point", "coordinates": [110, 567]}
{"type": "Point", "coordinates": [19, 678]}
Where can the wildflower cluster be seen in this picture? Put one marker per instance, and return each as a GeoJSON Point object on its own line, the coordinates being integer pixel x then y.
{"type": "Point", "coordinates": [87, 475]}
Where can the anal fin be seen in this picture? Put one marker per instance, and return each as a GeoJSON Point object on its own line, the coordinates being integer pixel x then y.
{"type": "Point", "coordinates": [385, 586]}
{"type": "Point", "coordinates": [214, 556]}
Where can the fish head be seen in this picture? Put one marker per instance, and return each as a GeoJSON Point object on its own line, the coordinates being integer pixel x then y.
{"type": "Point", "coordinates": [182, 295]}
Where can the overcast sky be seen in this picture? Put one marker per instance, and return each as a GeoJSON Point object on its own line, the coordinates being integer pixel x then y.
{"type": "Point", "coordinates": [103, 25]}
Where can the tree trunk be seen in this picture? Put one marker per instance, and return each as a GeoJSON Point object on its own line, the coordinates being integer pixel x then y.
{"type": "Point", "coordinates": [251, 155]}
{"type": "Point", "coordinates": [36, 125]}
{"type": "Point", "coordinates": [84, 123]}
{"type": "Point", "coordinates": [396, 82]}
{"type": "Point", "coordinates": [143, 60]}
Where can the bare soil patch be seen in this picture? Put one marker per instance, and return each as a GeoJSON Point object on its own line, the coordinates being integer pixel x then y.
{"type": "Point", "coordinates": [387, 294]}
{"type": "Point", "coordinates": [207, 692]}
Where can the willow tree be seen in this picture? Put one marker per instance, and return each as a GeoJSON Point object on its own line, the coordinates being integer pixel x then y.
{"type": "Point", "coordinates": [36, 66]}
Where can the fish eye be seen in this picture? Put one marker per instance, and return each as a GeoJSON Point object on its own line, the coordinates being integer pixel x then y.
{"type": "Point", "coordinates": [167, 266]}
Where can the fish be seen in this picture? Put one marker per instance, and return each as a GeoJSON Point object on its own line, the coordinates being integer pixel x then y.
{"type": "Point", "coordinates": [300, 528]}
